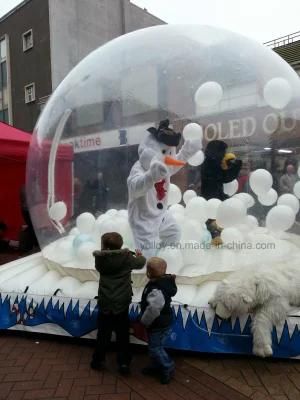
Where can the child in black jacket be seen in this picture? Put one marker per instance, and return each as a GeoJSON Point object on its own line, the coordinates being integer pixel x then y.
{"type": "Point", "coordinates": [114, 297]}
{"type": "Point", "coordinates": [156, 315]}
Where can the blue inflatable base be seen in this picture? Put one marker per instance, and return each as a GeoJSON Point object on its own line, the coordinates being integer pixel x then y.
{"type": "Point", "coordinates": [194, 329]}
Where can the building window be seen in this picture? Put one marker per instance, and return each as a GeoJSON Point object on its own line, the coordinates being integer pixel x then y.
{"type": "Point", "coordinates": [3, 50]}
{"type": "Point", "coordinates": [27, 40]}
{"type": "Point", "coordinates": [4, 116]}
{"type": "Point", "coordinates": [29, 93]}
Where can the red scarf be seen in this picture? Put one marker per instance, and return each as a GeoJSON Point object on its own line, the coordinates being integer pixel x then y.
{"type": "Point", "coordinates": [160, 190]}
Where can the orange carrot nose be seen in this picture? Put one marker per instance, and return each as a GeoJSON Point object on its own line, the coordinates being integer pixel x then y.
{"type": "Point", "coordinates": [173, 162]}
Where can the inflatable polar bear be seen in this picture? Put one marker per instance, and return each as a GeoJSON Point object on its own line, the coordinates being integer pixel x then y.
{"type": "Point", "coordinates": [268, 292]}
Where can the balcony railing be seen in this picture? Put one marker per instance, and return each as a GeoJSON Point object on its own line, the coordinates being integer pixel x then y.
{"type": "Point", "coordinates": [284, 40]}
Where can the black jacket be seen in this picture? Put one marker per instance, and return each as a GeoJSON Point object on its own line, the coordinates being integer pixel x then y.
{"type": "Point", "coordinates": [156, 312]}
{"type": "Point", "coordinates": [115, 266]}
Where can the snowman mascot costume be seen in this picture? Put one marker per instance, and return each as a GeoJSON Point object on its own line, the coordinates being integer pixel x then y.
{"type": "Point", "coordinates": [148, 183]}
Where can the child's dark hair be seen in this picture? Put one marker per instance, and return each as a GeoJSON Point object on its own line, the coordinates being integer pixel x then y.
{"type": "Point", "coordinates": [112, 241]}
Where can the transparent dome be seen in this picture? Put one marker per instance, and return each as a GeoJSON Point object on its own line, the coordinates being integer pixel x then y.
{"type": "Point", "coordinates": [86, 143]}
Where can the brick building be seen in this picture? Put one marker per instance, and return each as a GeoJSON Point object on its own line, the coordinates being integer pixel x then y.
{"type": "Point", "coordinates": [42, 40]}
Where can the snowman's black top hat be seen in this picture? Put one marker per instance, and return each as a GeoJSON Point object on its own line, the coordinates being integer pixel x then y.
{"type": "Point", "coordinates": [165, 135]}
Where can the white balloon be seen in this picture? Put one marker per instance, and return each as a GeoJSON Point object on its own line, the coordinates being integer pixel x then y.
{"type": "Point", "coordinates": [231, 236]}
{"type": "Point", "coordinates": [112, 212]}
{"type": "Point", "coordinates": [277, 93]}
{"type": "Point", "coordinates": [243, 228]}
{"type": "Point", "coordinates": [174, 195]}
{"type": "Point", "coordinates": [191, 230]}
{"type": "Point", "coordinates": [85, 253]}
{"type": "Point", "coordinates": [85, 222]}
{"type": "Point", "coordinates": [197, 209]}
{"type": "Point", "coordinates": [231, 188]}
{"type": "Point", "coordinates": [197, 159]}
{"type": "Point", "coordinates": [74, 232]}
{"type": "Point", "coordinates": [193, 131]}
{"type": "Point", "coordinates": [78, 240]}
{"type": "Point", "coordinates": [251, 221]}
{"type": "Point", "coordinates": [102, 217]}
{"type": "Point", "coordinates": [260, 181]}
{"type": "Point", "coordinates": [173, 258]}
{"type": "Point", "coordinates": [289, 200]}
{"type": "Point", "coordinates": [269, 198]}
{"type": "Point", "coordinates": [121, 224]}
{"type": "Point", "coordinates": [212, 208]}
{"type": "Point", "coordinates": [245, 198]}
{"type": "Point", "coordinates": [209, 94]}
{"type": "Point", "coordinates": [280, 218]}
{"type": "Point", "coordinates": [123, 213]}
{"type": "Point", "coordinates": [107, 225]}
{"type": "Point", "coordinates": [188, 195]}
{"type": "Point", "coordinates": [231, 212]}
{"type": "Point", "coordinates": [58, 211]}
{"type": "Point", "coordinates": [176, 208]}
{"type": "Point", "coordinates": [297, 189]}
{"type": "Point", "coordinates": [192, 252]}
{"type": "Point", "coordinates": [179, 218]}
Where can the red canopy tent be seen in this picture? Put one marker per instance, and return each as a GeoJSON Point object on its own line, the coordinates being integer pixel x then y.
{"type": "Point", "coordinates": [14, 145]}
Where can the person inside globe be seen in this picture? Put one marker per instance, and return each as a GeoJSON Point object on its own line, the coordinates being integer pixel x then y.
{"type": "Point", "coordinates": [288, 179]}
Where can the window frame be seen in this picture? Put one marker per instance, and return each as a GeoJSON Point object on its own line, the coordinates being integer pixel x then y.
{"type": "Point", "coordinates": [27, 101]}
{"type": "Point", "coordinates": [3, 39]}
{"type": "Point", "coordinates": [25, 48]}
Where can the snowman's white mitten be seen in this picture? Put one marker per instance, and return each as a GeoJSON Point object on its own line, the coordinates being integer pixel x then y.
{"type": "Point", "coordinates": [189, 148]}
{"type": "Point", "coordinates": [158, 171]}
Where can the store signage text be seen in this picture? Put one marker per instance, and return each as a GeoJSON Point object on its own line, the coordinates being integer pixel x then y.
{"type": "Point", "coordinates": [250, 125]}
{"type": "Point", "coordinates": [85, 143]}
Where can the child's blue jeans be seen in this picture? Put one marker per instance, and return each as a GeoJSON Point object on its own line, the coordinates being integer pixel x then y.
{"type": "Point", "coordinates": [157, 353]}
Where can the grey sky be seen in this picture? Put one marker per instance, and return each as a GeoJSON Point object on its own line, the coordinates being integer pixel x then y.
{"type": "Point", "coordinates": [262, 20]}
{"type": "Point", "coordinates": [6, 5]}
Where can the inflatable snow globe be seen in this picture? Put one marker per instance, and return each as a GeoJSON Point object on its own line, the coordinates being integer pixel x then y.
{"type": "Point", "coordinates": [131, 140]}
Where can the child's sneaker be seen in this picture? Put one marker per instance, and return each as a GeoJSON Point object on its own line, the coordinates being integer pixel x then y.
{"type": "Point", "coordinates": [150, 371]}
{"type": "Point", "coordinates": [97, 365]}
{"type": "Point", "coordinates": [166, 376]}
{"type": "Point", "coordinates": [124, 369]}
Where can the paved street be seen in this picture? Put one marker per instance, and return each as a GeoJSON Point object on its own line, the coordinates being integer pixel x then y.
{"type": "Point", "coordinates": [42, 367]}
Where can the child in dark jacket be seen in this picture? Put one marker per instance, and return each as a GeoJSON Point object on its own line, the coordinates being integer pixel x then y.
{"type": "Point", "coordinates": [114, 297]}
{"type": "Point", "coordinates": [156, 315]}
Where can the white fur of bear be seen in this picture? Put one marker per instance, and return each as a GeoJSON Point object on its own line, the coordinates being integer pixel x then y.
{"type": "Point", "coordinates": [268, 293]}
